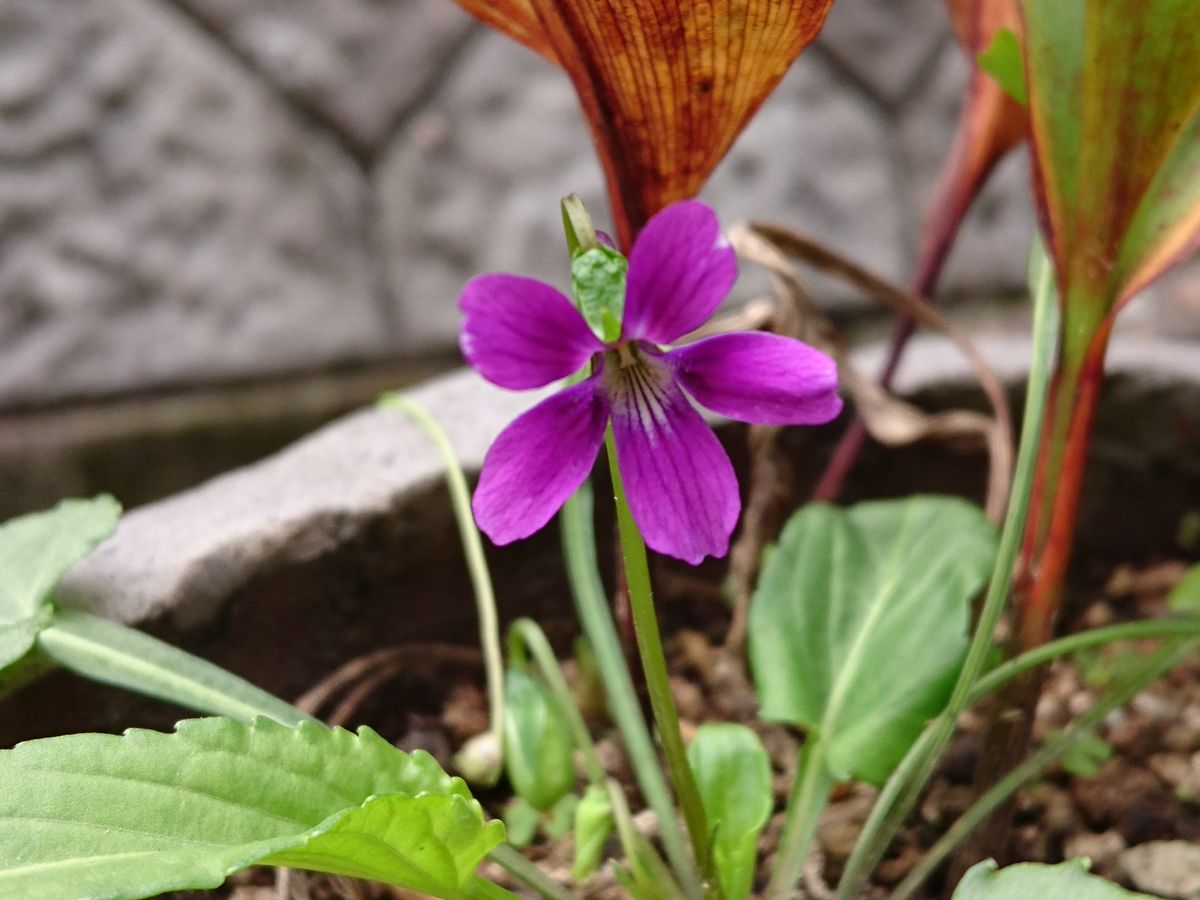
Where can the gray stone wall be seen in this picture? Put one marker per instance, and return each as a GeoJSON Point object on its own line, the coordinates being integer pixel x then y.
{"type": "Point", "coordinates": [194, 191]}
{"type": "Point", "coordinates": [201, 191]}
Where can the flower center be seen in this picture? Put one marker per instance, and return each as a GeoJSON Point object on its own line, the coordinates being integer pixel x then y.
{"type": "Point", "coordinates": [638, 384]}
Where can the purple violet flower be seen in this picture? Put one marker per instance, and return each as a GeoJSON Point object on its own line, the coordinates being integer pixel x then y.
{"type": "Point", "coordinates": [521, 334]}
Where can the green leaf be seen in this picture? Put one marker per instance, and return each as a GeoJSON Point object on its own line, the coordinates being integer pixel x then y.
{"type": "Point", "coordinates": [1086, 754]}
{"type": "Point", "coordinates": [36, 550]}
{"type": "Point", "coordinates": [538, 752]}
{"type": "Point", "coordinates": [593, 824]}
{"type": "Point", "coordinates": [984, 881]}
{"type": "Point", "coordinates": [561, 818]}
{"type": "Point", "coordinates": [92, 815]}
{"type": "Point", "coordinates": [116, 654]}
{"type": "Point", "coordinates": [733, 774]}
{"type": "Point", "coordinates": [1002, 60]}
{"type": "Point", "coordinates": [859, 623]}
{"type": "Point", "coordinates": [521, 822]}
{"type": "Point", "coordinates": [1185, 596]}
{"type": "Point", "coordinates": [598, 285]}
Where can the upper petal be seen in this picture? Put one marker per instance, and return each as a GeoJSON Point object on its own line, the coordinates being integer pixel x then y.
{"type": "Point", "coordinates": [679, 482]}
{"type": "Point", "coordinates": [680, 269]}
{"type": "Point", "coordinates": [538, 461]}
{"type": "Point", "coordinates": [521, 333]}
{"type": "Point", "coordinates": [757, 377]}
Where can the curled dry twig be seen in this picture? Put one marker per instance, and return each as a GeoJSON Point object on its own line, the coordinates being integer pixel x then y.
{"type": "Point", "coordinates": [889, 420]}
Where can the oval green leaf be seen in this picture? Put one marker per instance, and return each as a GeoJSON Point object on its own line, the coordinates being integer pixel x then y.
{"type": "Point", "coordinates": [539, 755]}
{"type": "Point", "coordinates": [985, 881]}
{"type": "Point", "coordinates": [92, 815]}
{"type": "Point", "coordinates": [36, 550]}
{"type": "Point", "coordinates": [859, 623]}
{"type": "Point", "coordinates": [733, 774]}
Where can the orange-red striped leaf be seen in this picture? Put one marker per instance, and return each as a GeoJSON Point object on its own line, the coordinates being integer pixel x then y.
{"type": "Point", "coordinates": [666, 85]}
{"type": "Point", "coordinates": [991, 124]}
{"type": "Point", "coordinates": [1114, 92]}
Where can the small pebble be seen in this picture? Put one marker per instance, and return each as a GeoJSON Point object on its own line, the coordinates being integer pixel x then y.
{"type": "Point", "coordinates": [1165, 868]}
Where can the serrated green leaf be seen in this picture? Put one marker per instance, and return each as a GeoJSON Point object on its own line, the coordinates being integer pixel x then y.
{"type": "Point", "coordinates": [103, 816]}
{"type": "Point", "coordinates": [539, 754]}
{"type": "Point", "coordinates": [598, 285]}
{"type": "Point", "coordinates": [1002, 60]}
{"type": "Point", "coordinates": [36, 550]}
{"type": "Point", "coordinates": [1185, 596]}
{"type": "Point", "coordinates": [733, 774]}
{"type": "Point", "coordinates": [1025, 881]}
{"type": "Point", "coordinates": [859, 623]}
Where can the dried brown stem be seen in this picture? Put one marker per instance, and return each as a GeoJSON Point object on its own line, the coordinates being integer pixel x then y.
{"type": "Point", "coordinates": [773, 245]}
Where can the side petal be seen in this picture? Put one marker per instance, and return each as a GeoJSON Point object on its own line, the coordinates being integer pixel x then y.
{"type": "Point", "coordinates": [680, 484]}
{"type": "Point", "coordinates": [538, 461]}
{"type": "Point", "coordinates": [521, 333]}
{"type": "Point", "coordinates": [680, 269]}
{"type": "Point", "coordinates": [759, 377]}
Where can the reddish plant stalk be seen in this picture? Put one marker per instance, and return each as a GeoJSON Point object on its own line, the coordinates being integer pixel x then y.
{"type": "Point", "coordinates": [1058, 482]}
{"type": "Point", "coordinates": [1041, 575]}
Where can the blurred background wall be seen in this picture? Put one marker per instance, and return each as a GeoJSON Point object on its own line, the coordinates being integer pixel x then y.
{"type": "Point", "coordinates": [223, 222]}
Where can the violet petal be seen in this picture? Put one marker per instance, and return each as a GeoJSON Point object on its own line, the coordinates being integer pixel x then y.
{"type": "Point", "coordinates": [521, 333]}
{"type": "Point", "coordinates": [680, 269]}
{"type": "Point", "coordinates": [538, 461]}
{"type": "Point", "coordinates": [759, 377]}
{"type": "Point", "coordinates": [680, 484]}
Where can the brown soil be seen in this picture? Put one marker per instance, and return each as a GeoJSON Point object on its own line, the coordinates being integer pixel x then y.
{"type": "Point", "coordinates": [1147, 790]}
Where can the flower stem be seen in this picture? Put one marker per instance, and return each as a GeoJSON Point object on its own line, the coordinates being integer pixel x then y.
{"type": "Point", "coordinates": [579, 548]}
{"type": "Point", "coordinates": [481, 579]}
{"type": "Point", "coordinates": [654, 664]}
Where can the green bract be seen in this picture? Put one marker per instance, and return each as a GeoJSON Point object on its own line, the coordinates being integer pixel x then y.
{"type": "Point", "coordinates": [598, 285]}
{"type": "Point", "coordinates": [93, 815]}
{"type": "Point", "coordinates": [859, 623]}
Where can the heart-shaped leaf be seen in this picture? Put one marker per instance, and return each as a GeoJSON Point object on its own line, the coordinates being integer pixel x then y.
{"type": "Point", "coordinates": [666, 87]}
{"type": "Point", "coordinates": [733, 774]}
{"type": "Point", "coordinates": [92, 815]}
{"type": "Point", "coordinates": [1114, 102]}
{"type": "Point", "coordinates": [985, 881]}
{"type": "Point", "coordinates": [35, 551]}
{"type": "Point", "coordinates": [539, 754]}
{"type": "Point", "coordinates": [859, 623]}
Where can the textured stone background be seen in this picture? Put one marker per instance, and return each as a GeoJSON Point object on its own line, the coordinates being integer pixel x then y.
{"type": "Point", "coordinates": [223, 222]}
{"type": "Point", "coordinates": [201, 190]}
